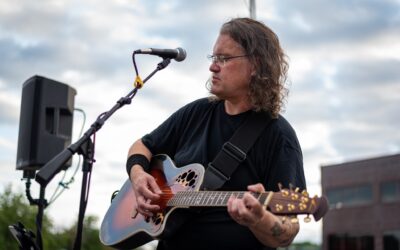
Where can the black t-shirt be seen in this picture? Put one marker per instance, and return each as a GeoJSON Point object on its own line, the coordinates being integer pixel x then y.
{"type": "Point", "coordinates": [195, 134]}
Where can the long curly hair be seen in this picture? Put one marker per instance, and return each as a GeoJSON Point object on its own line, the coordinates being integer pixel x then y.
{"type": "Point", "coordinates": [268, 91]}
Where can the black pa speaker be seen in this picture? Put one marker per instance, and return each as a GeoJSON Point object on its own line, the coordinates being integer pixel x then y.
{"type": "Point", "coordinates": [45, 124]}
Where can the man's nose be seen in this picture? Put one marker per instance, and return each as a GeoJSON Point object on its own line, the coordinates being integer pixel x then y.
{"type": "Point", "coordinates": [214, 67]}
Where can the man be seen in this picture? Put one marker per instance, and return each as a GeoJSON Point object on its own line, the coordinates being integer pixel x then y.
{"type": "Point", "coordinates": [248, 75]}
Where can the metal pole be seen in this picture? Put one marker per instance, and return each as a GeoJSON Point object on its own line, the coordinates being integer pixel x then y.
{"type": "Point", "coordinates": [252, 9]}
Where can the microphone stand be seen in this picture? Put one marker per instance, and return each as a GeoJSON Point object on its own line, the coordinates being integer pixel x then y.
{"type": "Point", "coordinates": [85, 147]}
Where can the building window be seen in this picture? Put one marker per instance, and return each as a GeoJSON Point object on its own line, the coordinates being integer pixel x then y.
{"type": "Point", "coordinates": [348, 242]}
{"type": "Point", "coordinates": [391, 240]}
{"type": "Point", "coordinates": [390, 191]}
{"type": "Point", "coordinates": [350, 196]}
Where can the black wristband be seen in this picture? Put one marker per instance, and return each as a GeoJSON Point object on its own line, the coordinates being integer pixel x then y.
{"type": "Point", "coordinates": [137, 159]}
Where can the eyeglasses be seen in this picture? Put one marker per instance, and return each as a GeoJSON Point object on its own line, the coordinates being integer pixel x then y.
{"type": "Point", "coordinates": [221, 60]}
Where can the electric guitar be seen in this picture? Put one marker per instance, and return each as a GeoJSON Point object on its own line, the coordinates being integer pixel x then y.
{"type": "Point", "coordinates": [123, 227]}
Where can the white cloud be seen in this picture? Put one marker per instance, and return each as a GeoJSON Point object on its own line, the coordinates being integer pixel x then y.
{"type": "Point", "coordinates": [344, 90]}
{"type": "Point", "coordinates": [6, 144]}
{"type": "Point", "coordinates": [9, 106]}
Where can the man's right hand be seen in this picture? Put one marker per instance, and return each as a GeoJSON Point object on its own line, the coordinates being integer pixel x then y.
{"type": "Point", "coordinates": [146, 190]}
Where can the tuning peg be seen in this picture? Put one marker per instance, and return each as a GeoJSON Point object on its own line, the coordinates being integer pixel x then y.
{"type": "Point", "coordinates": [304, 199]}
{"type": "Point", "coordinates": [290, 207]}
{"type": "Point", "coordinates": [278, 207]}
{"type": "Point", "coordinates": [307, 219]}
{"type": "Point", "coordinates": [294, 196]}
{"type": "Point", "coordinates": [297, 190]}
{"type": "Point", "coordinates": [291, 187]}
{"type": "Point", "coordinates": [304, 193]}
{"type": "Point", "coordinates": [285, 192]}
{"type": "Point", "coordinates": [302, 206]}
{"type": "Point", "coordinates": [294, 220]}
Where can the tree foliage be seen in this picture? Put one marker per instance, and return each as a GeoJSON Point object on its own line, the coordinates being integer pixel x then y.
{"type": "Point", "coordinates": [15, 208]}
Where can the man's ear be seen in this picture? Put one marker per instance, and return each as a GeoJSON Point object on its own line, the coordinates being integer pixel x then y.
{"type": "Point", "coordinates": [253, 68]}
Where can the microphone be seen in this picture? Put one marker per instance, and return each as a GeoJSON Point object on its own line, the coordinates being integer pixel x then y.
{"type": "Point", "coordinates": [178, 54]}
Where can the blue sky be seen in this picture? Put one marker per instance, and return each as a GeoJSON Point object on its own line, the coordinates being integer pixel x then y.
{"type": "Point", "coordinates": [344, 77]}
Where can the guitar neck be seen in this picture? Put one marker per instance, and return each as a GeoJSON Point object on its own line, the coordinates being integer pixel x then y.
{"type": "Point", "coordinates": [284, 202]}
{"type": "Point", "coordinates": [210, 198]}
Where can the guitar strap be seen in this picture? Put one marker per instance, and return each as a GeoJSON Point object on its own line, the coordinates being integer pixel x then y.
{"type": "Point", "coordinates": [235, 150]}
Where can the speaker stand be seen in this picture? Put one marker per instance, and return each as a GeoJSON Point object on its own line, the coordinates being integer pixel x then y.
{"type": "Point", "coordinates": [23, 236]}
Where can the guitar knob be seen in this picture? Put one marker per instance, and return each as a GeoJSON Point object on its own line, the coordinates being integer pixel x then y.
{"type": "Point", "coordinates": [285, 193]}
{"type": "Point", "coordinates": [290, 207]}
{"type": "Point", "coordinates": [302, 206]}
{"type": "Point", "coordinates": [278, 207]}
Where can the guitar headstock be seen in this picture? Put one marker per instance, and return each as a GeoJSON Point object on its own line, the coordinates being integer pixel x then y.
{"type": "Point", "coordinates": [292, 202]}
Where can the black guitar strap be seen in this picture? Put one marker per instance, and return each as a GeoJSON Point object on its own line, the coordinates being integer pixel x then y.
{"type": "Point", "coordinates": [234, 151]}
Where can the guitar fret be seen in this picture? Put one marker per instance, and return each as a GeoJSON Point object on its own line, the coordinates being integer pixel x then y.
{"type": "Point", "coordinates": [204, 199]}
{"type": "Point", "coordinates": [262, 197]}
{"type": "Point", "coordinates": [189, 197]}
{"type": "Point", "coordinates": [238, 194]}
{"type": "Point", "coordinates": [171, 202]}
{"type": "Point", "coordinates": [198, 198]}
{"type": "Point", "coordinates": [226, 198]}
{"type": "Point", "coordinates": [256, 195]}
{"type": "Point", "coordinates": [220, 199]}
{"type": "Point", "coordinates": [182, 198]}
{"type": "Point", "coordinates": [186, 198]}
{"type": "Point", "coordinates": [210, 198]}
{"type": "Point", "coordinates": [177, 199]}
{"type": "Point", "coordinates": [216, 195]}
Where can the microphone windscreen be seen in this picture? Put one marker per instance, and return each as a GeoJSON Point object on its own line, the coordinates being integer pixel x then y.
{"type": "Point", "coordinates": [181, 55]}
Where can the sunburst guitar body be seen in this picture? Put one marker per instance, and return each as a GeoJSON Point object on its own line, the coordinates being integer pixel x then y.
{"type": "Point", "coordinates": [123, 227]}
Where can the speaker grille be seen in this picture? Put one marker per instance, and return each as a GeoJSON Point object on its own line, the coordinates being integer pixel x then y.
{"type": "Point", "coordinates": [46, 117]}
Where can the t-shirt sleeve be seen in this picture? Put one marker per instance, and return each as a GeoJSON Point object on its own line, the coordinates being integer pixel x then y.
{"type": "Point", "coordinates": [165, 138]}
{"type": "Point", "coordinates": [287, 164]}
{"type": "Point", "coordinates": [288, 169]}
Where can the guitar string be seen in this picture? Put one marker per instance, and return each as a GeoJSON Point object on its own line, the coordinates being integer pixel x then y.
{"type": "Point", "coordinates": [168, 195]}
{"type": "Point", "coordinates": [166, 200]}
{"type": "Point", "coordinates": [239, 193]}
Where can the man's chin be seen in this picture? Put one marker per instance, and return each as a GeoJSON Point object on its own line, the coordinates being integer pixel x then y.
{"type": "Point", "coordinates": [215, 93]}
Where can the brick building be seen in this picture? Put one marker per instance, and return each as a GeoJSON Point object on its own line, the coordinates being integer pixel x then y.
{"type": "Point", "coordinates": [364, 200]}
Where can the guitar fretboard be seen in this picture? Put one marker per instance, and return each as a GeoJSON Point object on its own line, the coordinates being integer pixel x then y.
{"type": "Point", "coordinates": [209, 198]}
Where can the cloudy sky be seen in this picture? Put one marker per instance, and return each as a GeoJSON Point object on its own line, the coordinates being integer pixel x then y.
{"type": "Point", "coordinates": [344, 77]}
